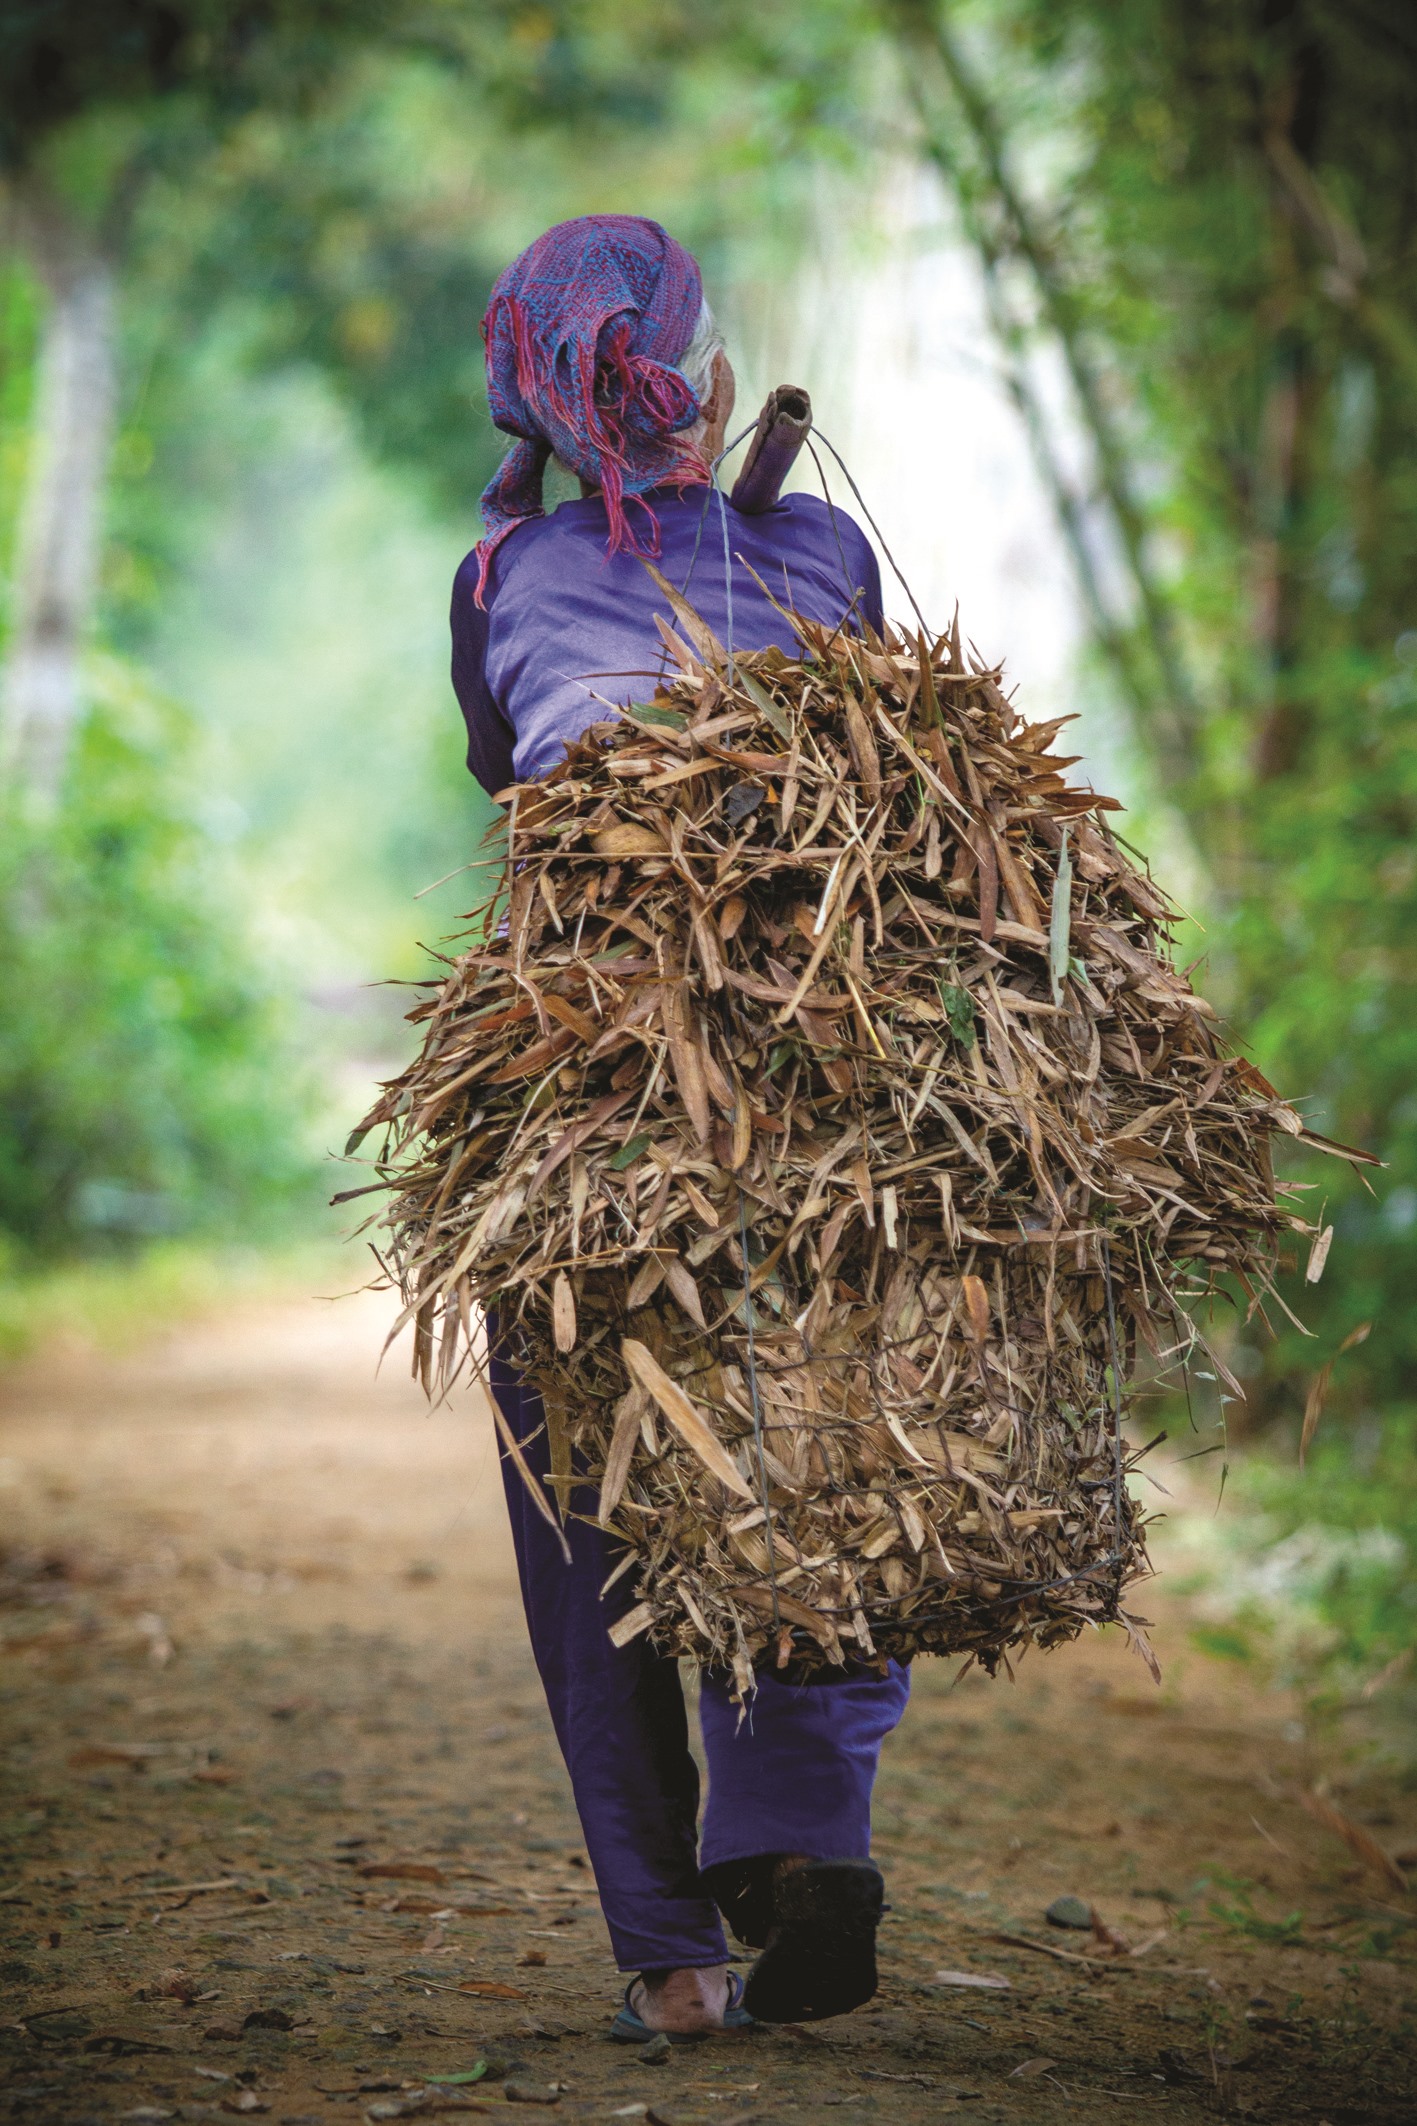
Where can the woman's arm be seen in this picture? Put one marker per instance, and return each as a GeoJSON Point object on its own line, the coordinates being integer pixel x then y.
{"type": "Point", "coordinates": [489, 735]}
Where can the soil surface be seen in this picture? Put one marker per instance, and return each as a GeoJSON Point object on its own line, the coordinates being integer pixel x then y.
{"type": "Point", "coordinates": [286, 1834]}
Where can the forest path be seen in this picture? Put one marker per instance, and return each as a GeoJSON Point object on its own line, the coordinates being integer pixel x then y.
{"type": "Point", "coordinates": [261, 1635]}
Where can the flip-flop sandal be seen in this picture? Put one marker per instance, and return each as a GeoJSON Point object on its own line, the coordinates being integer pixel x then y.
{"type": "Point", "coordinates": [820, 1958]}
{"type": "Point", "coordinates": [630, 2028]}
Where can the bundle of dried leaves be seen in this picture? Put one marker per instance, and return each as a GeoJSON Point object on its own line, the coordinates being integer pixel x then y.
{"type": "Point", "coordinates": [829, 1129]}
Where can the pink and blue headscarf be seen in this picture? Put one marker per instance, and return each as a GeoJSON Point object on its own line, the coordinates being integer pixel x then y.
{"type": "Point", "coordinates": [583, 333]}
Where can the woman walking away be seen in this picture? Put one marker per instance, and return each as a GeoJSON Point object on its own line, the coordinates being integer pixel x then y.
{"type": "Point", "coordinates": [602, 354]}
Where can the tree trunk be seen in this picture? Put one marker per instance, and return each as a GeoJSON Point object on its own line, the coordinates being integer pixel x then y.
{"type": "Point", "coordinates": [57, 546]}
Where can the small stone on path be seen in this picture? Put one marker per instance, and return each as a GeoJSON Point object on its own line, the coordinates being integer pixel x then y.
{"type": "Point", "coordinates": [1069, 1912]}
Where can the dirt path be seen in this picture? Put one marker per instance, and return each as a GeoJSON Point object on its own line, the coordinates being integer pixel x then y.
{"type": "Point", "coordinates": [261, 1640]}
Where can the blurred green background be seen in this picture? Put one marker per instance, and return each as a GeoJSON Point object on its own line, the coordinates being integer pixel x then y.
{"type": "Point", "coordinates": [1113, 306]}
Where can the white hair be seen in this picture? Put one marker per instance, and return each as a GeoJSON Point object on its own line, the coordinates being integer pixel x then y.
{"type": "Point", "coordinates": [698, 357]}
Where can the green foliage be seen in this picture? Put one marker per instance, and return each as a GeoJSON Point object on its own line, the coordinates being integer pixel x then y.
{"type": "Point", "coordinates": [318, 201]}
{"type": "Point", "coordinates": [1238, 1913]}
{"type": "Point", "coordinates": [329, 243]}
{"type": "Point", "coordinates": [959, 1010]}
{"type": "Point", "coordinates": [17, 338]}
{"type": "Point", "coordinates": [144, 1085]}
{"type": "Point", "coordinates": [63, 60]}
{"type": "Point", "coordinates": [308, 629]}
{"type": "Point", "coordinates": [1223, 1642]}
{"type": "Point", "coordinates": [1340, 1536]}
{"type": "Point", "coordinates": [117, 1299]}
{"type": "Point", "coordinates": [1210, 205]}
{"type": "Point", "coordinates": [1311, 1575]}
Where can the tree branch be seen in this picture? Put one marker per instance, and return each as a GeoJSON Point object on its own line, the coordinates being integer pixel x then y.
{"type": "Point", "coordinates": [1170, 700]}
{"type": "Point", "coordinates": [57, 544]}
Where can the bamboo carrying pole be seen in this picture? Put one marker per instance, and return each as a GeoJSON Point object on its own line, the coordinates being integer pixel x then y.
{"type": "Point", "coordinates": [783, 427]}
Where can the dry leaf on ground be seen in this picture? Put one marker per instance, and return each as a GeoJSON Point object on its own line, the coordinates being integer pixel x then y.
{"type": "Point", "coordinates": [401, 1871]}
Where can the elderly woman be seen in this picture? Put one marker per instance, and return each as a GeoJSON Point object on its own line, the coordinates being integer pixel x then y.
{"type": "Point", "coordinates": [602, 354]}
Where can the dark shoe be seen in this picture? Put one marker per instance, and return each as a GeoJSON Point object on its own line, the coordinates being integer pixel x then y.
{"type": "Point", "coordinates": [743, 1892]}
{"type": "Point", "coordinates": [820, 1957]}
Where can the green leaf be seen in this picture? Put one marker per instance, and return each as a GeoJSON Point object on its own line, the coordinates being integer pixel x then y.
{"type": "Point", "coordinates": [1245, 1920]}
{"type": "Point", "coordinates": [629, 1153]}
{"type": "Point", "coordinates": [1060, 927]}
{"type": "Point", "coordinates": [651, 712]}
{"type": "Point", "coordinates": [959, 1010]}
{"type": "Point", "coordinates": [458, 2081]}
{"type": "Point", "coordinates": [763, 701]}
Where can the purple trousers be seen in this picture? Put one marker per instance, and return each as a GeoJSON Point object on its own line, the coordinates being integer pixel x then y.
{"type": "Point", "coordinates": [793, 1776]}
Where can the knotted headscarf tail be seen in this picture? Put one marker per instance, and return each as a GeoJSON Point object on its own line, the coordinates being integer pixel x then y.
{"type": "Point", "coordinates": [582, 335]}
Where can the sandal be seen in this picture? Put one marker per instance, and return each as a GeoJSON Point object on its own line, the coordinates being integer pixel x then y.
{"type": "Point", "coordinates": [630, 2028]}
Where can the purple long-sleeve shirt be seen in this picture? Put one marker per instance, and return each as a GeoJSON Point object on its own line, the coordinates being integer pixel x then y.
{"type": "Point", "coordinates": [568, 629]}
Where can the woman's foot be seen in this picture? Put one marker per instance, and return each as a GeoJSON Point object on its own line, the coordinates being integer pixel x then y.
{"type": "Point", "coordinates": [683, 2003]}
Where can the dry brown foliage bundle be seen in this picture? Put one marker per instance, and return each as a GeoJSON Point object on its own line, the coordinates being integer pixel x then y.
{"type": "Point", "coordinates": [830, 1130]}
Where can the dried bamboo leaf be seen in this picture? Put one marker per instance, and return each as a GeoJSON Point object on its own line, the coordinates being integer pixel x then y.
{"type": "Point", "coordinates": [563, 1313]}
{"type": "Point", "coordinates": [628, 1412]}
{"type": "Point", "coordinates": [691, 1427]}
{"type": "Point", "coordinates": [632, 1625]}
